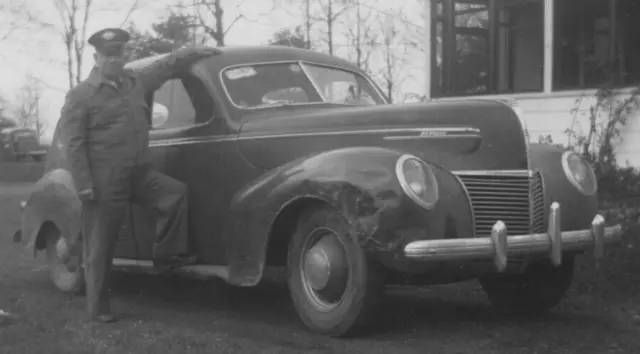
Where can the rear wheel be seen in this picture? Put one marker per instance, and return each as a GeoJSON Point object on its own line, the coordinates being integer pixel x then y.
{"type": "Point", "coordinates": [65, 263]}
{"type": "Point", "coordinates": [538, 289]}
{"type": "Point", "coordinates": [334, 287]}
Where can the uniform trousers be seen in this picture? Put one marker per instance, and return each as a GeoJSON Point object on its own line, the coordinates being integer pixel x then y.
{"type": "Point", "coordinates": [116, 187]}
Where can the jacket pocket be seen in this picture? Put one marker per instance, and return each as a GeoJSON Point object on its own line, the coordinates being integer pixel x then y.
{"type": "Point", "coordinates": [109, 113]}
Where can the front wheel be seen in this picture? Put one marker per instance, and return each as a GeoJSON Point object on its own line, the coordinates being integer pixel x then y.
{"type": "Point", "coordinates": [334, 287]}
{"type": "Point", "coordinates": [538, 289]}
{"type": "Point", "coordinates": [65, 263]}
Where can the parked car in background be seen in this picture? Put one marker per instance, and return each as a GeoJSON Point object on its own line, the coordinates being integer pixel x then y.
{"type": "Point", "coordinates": [16, 144]}
{"type": "Point", "coordinates": [295, 159]}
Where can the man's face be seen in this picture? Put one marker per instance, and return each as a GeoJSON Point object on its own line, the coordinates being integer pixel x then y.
{"type": "Point", "coordinates": [110, 64]}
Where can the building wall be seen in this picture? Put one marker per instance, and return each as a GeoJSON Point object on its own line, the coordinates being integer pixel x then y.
{"type": "Point", "coordinates": [547, 111]}
{"type": "Point", "coordinates": [554, 113]}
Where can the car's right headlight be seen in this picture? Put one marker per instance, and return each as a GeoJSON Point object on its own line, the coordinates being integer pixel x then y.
{"type": "Point", "coordinates": [417, 180]}
{"type": "Point", "coordinates": [579, 173]}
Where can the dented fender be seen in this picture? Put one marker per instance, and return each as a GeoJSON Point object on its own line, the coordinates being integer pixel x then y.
{"type": "Point", "coordinates": [53, 198]}
{"type": "Point", "coordinates": [360, 182]}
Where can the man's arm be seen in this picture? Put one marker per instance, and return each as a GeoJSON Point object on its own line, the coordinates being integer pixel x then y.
{"type": "Point", "coordinates": [164, 69]}
{"type": "Point", "coordinates": [73, 125]}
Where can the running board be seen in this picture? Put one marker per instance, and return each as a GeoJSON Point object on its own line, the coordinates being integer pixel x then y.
{"type": "Point", "coordinates": [201, 271]}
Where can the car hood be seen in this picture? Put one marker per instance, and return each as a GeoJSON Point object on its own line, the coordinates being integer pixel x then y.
{"type": "Point", "coordinates": [457, 135]}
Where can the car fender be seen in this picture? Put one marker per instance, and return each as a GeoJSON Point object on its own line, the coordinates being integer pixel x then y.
{"type": "Point", "coordinates": [360, 182]}
{"type": "Point", "coordinates": [578, 210]}
{"type": "Point", "coordinates": [52, 199]}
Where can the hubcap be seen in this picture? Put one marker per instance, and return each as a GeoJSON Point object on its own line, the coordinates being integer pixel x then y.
{"type": "Point", "coordinates": [62, 261]}
{"type": "Point", "coordinates": [317, 267]}
{"type": "Point", "coordinates": [62, 250]}
{"type": "Point", "coordinates": [325, 269]}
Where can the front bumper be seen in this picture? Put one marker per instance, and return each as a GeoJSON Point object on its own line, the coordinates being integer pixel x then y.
{"type": "Point", "coordinates": [500, 245]}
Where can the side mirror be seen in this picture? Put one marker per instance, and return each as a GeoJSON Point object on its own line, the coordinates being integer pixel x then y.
{"type": "Point", "coordinates": [159, 115]}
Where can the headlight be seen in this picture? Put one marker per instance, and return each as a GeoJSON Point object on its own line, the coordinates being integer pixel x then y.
{"type": "Point", "coordinates": [579, 173]}
{"type": "Point", "coordinates": [417, 181]}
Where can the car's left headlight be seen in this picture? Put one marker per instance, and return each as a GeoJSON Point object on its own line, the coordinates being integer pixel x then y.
{"type": "Point", "coordinates": [579, 173]}
{"type": "Point", "coordinates": [417, 180]}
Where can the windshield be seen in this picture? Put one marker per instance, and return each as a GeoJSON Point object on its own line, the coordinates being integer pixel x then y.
{"type": "Point", "coordinates": [266, 85]}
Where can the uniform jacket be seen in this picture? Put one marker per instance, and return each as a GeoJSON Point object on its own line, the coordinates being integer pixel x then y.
{"type": "Point", "coordinates": [102, 124]}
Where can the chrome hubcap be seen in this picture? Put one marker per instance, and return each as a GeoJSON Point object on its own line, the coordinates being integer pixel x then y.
{"type": "Point", "coordinates": [325, 269]}
{"type": "Point", "coordinates": [317, 268]}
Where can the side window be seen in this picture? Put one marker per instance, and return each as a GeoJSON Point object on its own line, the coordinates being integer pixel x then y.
{"type": "Point", "coordinates": [346, 92]}
{"type": "Point", "coordinates": [181, 102]}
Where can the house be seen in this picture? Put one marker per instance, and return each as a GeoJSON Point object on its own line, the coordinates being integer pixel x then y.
{"type": "Point", "coordinates": [550, 55]}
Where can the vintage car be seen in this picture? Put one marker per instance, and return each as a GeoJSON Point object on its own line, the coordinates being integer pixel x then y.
{"type": "Point", "coordinates": [19, 143]}
{"type": "Point", "coordinates": [295, 159]}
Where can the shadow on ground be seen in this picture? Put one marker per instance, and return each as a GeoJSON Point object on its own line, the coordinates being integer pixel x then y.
{"type": "Point", "coordinates": [404, 312]}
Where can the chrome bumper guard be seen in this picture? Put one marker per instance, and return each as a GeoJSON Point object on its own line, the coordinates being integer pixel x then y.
{"type": "Point", "coordinates": [500, 246]}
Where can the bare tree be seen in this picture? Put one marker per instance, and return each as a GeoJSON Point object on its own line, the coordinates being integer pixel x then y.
{"type": "Point", "coordinates": [14, 16]}
{"type": "Point", "coordinates": [308, 22]}
{"type": "Point", "coordinates": [74, 15]}
{"type": "Point", "coordinates": [210, 17]}
{"type": "Point", "coordinates": [135, 5]}
{"type": "Point", "coordinates": [393, 51]}
{"type": "Point", "coordinates": [308, 15]}
{"type": "Point", "coordinates": [331, 11]}
{"type": "Point", "coordinates": [217, 30]}
{"type": "Point", "coordinates": [362, 37]}
{"type": "Point", "coordinates": [27, 109]}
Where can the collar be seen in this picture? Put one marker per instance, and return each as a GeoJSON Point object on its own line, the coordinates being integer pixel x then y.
{"type": "Point", "coordinates": [98, 80]}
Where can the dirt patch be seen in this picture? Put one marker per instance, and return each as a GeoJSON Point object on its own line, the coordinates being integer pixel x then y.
{"type": "Point", "coordinates": [172, 315]}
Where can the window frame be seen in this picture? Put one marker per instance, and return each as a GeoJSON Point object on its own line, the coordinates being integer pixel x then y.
{"type": "Point", "coordinates": [230, 101]}
{"type": "Point", "coordinates": [549, 59]}
{"type": "Point", "coordinates": [182, 77]}
{"type": "Point", "coordinates": [611, 33]}
{"type": "Point", "coordinates": [449, 33]}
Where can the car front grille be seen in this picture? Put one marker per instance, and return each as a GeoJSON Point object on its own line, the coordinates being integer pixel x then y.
{"type": "Point", "coordinates": [516, 200]}
{"type": "Point", "coordinates": [537, 204]}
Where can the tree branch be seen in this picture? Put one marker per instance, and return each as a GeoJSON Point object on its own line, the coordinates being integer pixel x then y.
{"type": "Point", "coordinates": [132, 9]}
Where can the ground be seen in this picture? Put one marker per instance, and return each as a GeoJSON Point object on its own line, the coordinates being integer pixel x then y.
{"type": "Point", "coordinates": [167, 315]}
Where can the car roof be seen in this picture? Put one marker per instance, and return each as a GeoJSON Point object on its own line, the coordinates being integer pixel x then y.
{"type": "Point", "coordinates": [243, 55]}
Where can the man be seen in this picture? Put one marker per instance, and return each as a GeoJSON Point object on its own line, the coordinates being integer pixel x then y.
{"type": "Point", "coordinates": [104, 127]}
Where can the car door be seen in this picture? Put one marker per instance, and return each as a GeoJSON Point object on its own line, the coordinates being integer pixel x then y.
{"type": "Point", "coordinates": [181, 113]}
{"type": "Point", "coordinates": [166, 111]}
{"type": "Point", "coordinates": [197, 162]}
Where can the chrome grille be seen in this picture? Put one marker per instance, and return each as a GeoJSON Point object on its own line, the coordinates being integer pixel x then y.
{"type": "Point", "coordinates": [537, 204]}
{"type": "Point", "coordinates": [496, 198]}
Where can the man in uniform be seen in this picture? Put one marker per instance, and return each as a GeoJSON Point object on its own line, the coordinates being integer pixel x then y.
{"type": "Point", "coordinates": [104, 126]}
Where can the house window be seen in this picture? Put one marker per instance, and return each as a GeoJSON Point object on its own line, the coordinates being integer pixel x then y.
{"type": "Point", "coordinates": [594, 43]}
{"type": "Point", "coordinates": [487, 47]}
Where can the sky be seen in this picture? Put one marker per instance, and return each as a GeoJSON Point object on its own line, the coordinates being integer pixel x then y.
{"type": "Point", "coordinates": [39, 51]}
